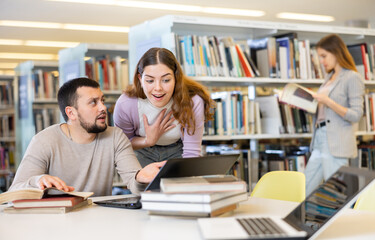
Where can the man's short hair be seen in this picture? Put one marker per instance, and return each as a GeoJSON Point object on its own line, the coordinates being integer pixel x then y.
{"type": "Point", "coordinates": [67, 95]}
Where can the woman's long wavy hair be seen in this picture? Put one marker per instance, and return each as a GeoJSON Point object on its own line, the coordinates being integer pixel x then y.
{"type": "Point", "coordinates": [334, 44]}
{"type": "Point", "coordinates": [184, 90]}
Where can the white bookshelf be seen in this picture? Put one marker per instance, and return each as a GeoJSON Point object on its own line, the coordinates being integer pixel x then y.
{"type": "Point", "coordinates": [160, 32]}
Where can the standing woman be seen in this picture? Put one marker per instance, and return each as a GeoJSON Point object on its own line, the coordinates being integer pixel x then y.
{"type": "Point", "coordinates": [340, 106]}
{"type": "Point", "coordinates": [163, 112]}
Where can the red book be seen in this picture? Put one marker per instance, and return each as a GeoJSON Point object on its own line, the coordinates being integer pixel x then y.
{"type": "Point", "coordinates": [364, 59]}
{"type": "Point", "coordinates": [244, 63]}
{"type": "Point", "coordinates": [51, 201]}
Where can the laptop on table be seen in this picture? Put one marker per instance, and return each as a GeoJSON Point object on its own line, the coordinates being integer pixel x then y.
{"type": "Point", "coordinates": [178, 167]}
{"type": "Point", "coordinates": [307, 220]}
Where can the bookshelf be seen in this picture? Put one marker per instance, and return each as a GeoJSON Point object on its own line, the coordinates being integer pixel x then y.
{"type": "Point", "coordinates": [7, 131]}
{"type": "Point", "coordinates": [170, 32]}
{"type": "Point", "coordinates": [35, 88]}
{"type": "Point", "coordinates": [105, 63]}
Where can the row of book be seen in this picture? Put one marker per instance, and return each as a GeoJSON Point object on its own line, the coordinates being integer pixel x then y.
{"type": "Point", "coordinates": [7, 125]}
{"type": "Point", "coordinates": [7, 157]}
{"type": "Point", "coordinates": [6, 94]}
{"type": "Point", "coordinates": [368, 121]}
{"type": "Point", "coordinates": [201, 196]}
{"type": "Point", "coordinates": [328, 198]}
{"type": "Point", "coordinates": [111, 73]}
{"type": "Point", "coordinates": [282, 56]}
{"type": "Point", "coordinates": [279, 160]}
{"type": "Point", "coordinates": [45, 117]}
{"type": "Point", "coordinates": [364, 58]}
{"type": "Point", "coordinates": [237, 114]}
{"type": "Point", "coordinates": [366, 156]}
{"type": "Point", "coordinates": [45, 84]}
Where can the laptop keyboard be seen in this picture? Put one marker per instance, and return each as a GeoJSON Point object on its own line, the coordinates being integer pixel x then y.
{"type": "Point", "coordinates": [260, 227]}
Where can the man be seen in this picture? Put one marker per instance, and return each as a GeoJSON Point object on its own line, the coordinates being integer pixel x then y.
{"type": "Point", "coordinates": [83, 153]}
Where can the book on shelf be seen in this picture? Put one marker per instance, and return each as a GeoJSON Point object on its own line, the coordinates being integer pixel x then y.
{"type": "Point", "coordinates": [199, 209]}
{"type": "Point", "coordinates": [361, 59]}
{"type": "Point", "coordinates": [270, 116]}
{"type": "Point", "coordinates": [47, 210]}
{"type": "Point", "coordinates": [35, 193]}
{"type": "Point", "coordinates": [299, 96]}
{"type": "Point", "coordinates": [206, 183]}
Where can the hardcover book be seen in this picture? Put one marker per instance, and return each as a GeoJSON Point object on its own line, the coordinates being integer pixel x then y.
{"type": "Point", "coordinates": [195, 208]}
{"type": "Point", "coordinates": [49, 201]}
{"type": "Point", "coordinates": [35, 193]}
{"type": "Point", "coordinates": [47, 210]}
{"type": "Point", "coordinates": [209, 183]}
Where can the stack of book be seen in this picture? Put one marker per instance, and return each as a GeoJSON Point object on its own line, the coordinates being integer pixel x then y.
{"type": "Point", "coordinates": [50, 200]}
{"type": "Point", "coordinates": [203, 196]}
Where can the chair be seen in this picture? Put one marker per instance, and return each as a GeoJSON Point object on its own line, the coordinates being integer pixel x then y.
{"type": "Point", "coordinates": [281, 185]}
{"type": "Point", "coordinates": [366, 200]}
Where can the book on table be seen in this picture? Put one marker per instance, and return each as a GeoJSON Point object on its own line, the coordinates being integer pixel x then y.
{"type": "Point", "coordinates": [64, 200]}
{"type": "Point", "coordinates": [213, 213]}
{"type": "Point", "coordinates": [33, 194]}
{"type": "Point", "coordinates": [191, 204]}
{"type": "Point", "coordinates": [299, 96]}
{"type": "Point", "coordinates": [47, 210]}
{"type": "Point", "coordinates": [208, 183]}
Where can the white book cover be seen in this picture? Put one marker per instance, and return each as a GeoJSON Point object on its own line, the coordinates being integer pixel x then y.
{"type": "Point", "coordinates": [283, 56]}
{"type": "Point", "coordinates": [223, 60]}
{"type": "Point", "coordinates": [270, 114]}
{"type": "Point", "coordinates": [299, 96]}
{"type": "Point", "coordinates": [302, 60]}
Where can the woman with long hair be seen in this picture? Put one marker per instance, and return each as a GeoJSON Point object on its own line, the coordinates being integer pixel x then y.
{"type": "Point", "coordinates": [163, 112]}
{"type": "Point", "coordinates": [340, 106]}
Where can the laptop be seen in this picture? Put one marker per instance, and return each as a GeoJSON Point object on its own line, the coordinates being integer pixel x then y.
{"type": "Point", "coordinates": [307, 220]}
{"type": "Point", "coordinates": [178, 167]}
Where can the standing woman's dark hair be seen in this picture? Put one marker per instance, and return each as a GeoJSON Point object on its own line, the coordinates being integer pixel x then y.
{"type": "Point", "coordinates": [185, 88]}
{"type": "Point", "coordinates": [335, 45]}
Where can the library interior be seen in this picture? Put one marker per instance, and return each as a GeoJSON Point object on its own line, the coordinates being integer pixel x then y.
{"type": "Point", "coordinates": [283, 119]}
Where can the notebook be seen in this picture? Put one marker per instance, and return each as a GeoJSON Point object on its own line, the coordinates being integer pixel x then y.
{"type": "Point", "coordinates": [307, 220]}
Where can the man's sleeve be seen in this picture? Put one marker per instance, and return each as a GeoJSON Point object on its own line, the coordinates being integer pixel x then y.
{"type": "Point", "coordinates": [33, 166]}
{"type": "Point", "coordinates": [127, 164]}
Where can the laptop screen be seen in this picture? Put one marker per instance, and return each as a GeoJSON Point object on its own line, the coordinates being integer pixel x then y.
{"type": "Point", "coordinates": [339, 191]}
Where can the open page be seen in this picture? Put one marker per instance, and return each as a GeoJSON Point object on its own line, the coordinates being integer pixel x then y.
{"type": "Point", "coordinates": [299, 96]}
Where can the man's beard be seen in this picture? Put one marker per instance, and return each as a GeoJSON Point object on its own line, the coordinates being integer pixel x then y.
{"type": "Point", "coordinates": [91, 128]}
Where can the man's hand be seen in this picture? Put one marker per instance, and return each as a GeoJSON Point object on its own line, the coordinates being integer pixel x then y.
{"type": "Point", "coordinates": [146, 174]}
{"type": "Point", "coordinates": [162, 124]}
{"type": "Point", "coordinates": [48, 181]}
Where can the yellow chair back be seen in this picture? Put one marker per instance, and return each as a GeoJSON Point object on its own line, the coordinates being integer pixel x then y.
{"type": "Point", "coordinates": [281, 185]}
{"type": "Point", "coordinates": [366, 200]}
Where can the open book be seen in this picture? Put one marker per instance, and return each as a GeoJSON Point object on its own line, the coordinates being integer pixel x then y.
{"type": "Point", "coordinates": [35, 193]}
{"type": "Point", "coordinates": [299, 96]}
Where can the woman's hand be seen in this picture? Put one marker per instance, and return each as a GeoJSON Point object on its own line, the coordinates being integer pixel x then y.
{"type": "Point", "coordinates": [162, 124]}
{"type": "Point", "coordinates": [148, 173]}
{"type": "Point", "coordinates": [321, 98]}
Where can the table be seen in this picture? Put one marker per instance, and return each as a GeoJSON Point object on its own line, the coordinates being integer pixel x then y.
{"type": "Point", "coordinates": [102, 223]}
